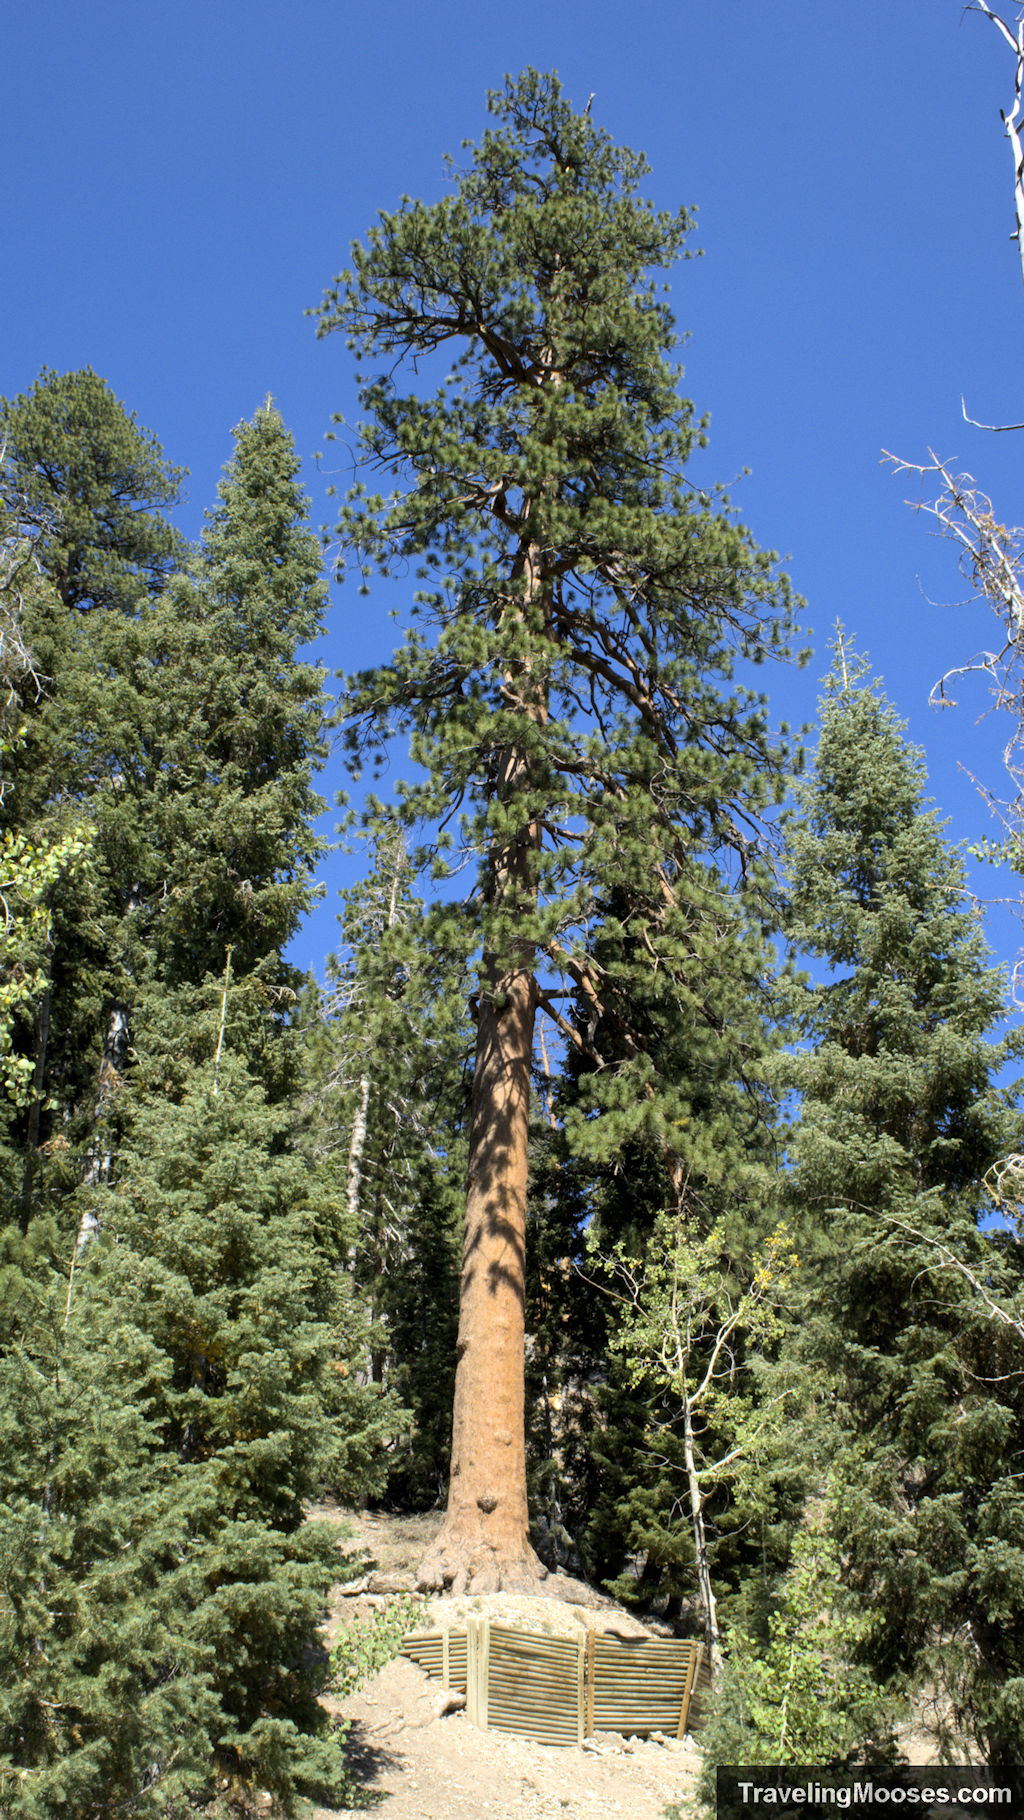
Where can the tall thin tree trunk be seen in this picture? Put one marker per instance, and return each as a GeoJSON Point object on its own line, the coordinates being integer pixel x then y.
{"type": "Point", "coordinates": [712, 1633]}
{"type": "Point", "coordinates": [112, 1068]}
{"type": "Point", "coordinates": [28, 1175]}
{"type": "Point", "coordinates": [484, 1543]}
{"type": "Point", "coordinates": [357, 1144]}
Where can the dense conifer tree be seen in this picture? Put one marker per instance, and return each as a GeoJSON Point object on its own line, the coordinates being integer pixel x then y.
{"type": "Point", "coordinates": [237, 723]}
{"type": "Point", "coordinates": [104, 1705]}
{"type": "Point", "coordinates": [386, 1065]}
{"type": "Point", "coordinates": [85, 484]}
{"type": "Point", "coordinates": [186, 733]}
{"type": "Point", "coordinates": [567, 683]}
{"type": "Point", "coordinates": [81, 485]}
{"type": "Point", "coordinates": [177, 1288]}
{"type": "Point", "coordinates": [680, 1178]}
{"type": "Point", "coordinates": [899, 1125]}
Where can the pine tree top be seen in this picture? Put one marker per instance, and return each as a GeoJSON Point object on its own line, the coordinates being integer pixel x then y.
{"type": "Point", "coordinates": [85, 482]}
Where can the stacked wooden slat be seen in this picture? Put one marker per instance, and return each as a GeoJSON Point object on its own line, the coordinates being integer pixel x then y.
{"type": "Point", "coordinates": [441, 1653]}
{"type": "Point", "coordinates": [561, 1690]}
{"type": "Point", "coordinates": [531, 1684]}
{"type": "Point", "coordinates": [639, 1686]}
{"type": "Point", "coordinates": [700, 1693]}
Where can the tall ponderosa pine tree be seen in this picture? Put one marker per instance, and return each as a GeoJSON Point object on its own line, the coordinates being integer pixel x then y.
{"type": "Point", "coordinates": [567, 683]}
{"type": "Point", "coordinates": [899, 1125]}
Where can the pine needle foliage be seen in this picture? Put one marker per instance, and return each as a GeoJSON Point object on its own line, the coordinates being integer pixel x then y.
{"type": "Point", "coordinates": [106, 1703]}
{"type": "Point", "coordinates": [900, 1123]}
{"type": "Point", "coordinates": [558, 430]}
{"type": "Point", "coordinates": [86, 484]}
{"type": "Point", "coordinates": [567, 676]}
{"type": "Point", "coordinates": [176, 1318]}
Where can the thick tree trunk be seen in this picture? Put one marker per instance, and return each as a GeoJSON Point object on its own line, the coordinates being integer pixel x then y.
{"type": "Point", "coordinates": [484, 1544]}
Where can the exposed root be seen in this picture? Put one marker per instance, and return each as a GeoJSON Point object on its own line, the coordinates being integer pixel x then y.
{"type": "Point", "coordinates": [462, 1567]}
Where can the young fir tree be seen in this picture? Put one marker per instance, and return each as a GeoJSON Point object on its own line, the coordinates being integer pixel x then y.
{"type": "Point", "coordinates": [192, 1277]}
{"type": "Point", "coordinates": [213, 1245]}
{"type": "Point", "coordinates": [566, 684]}
{"type": "Point", "coordinates": [899, 1124]}
{"type": "Point", "coordinates": [105, 1704]}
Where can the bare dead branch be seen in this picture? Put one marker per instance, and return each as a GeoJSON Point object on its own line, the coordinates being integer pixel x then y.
{"type": "Point", "coordinates": [948, 1260]}
{"type": "Point", "coordinates": [996, 428]}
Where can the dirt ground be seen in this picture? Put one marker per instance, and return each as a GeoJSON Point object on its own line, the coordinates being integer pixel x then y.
{"type": "Point", "coordinates": [416, 1760]}
{"type": "Point", "coordinates": [419, 1762]}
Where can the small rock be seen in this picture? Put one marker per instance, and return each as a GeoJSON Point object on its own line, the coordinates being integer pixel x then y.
{"type": "Point", "coordinates": [390, 1583]}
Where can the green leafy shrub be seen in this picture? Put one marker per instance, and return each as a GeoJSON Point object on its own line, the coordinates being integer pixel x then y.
{"type": "Point", "coordinates": [799, 1696]}
{"type": "Point", "coordinates": [370, 1643]}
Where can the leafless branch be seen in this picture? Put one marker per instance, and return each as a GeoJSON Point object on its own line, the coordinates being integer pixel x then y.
{"type": "Point", "coordinates": [996, 428]}
{"type": "Point", "coordinates": [948, 1260]}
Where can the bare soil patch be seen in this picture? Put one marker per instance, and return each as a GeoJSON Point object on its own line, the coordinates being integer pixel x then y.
{"type": "Point", "coordinates": [419, 1761]}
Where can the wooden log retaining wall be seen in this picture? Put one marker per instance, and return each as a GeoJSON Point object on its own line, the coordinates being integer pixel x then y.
{"type": "Point", "coordinates": [561, 1690]}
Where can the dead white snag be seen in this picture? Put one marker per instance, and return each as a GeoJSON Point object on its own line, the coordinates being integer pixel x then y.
{"type": "Point", "coordinates": [991, 560]}
{"type": "Point", "coordinates": [1014, 36]}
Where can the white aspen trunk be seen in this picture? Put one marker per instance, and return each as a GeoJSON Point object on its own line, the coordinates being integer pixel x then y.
{"type": "Point", "coordinates": [700, 1546]}
{"type": "Point", "coordinates": [357, 1145]}
{"type": "Point", "coordinates": [112, 1066]}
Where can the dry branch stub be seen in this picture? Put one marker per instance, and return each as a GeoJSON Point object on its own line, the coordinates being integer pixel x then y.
{"type": "Point", "coordinates": [560, 1690]}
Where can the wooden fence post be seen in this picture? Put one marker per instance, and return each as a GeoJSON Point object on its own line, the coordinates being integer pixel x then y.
{"type": "Point", "coordinates": [588, 1716]}
{"type": "Point", "coordinates": [691, 1676]}
{"type": "Point", "coordinates": [478, 1653]}
{"type": "Point", "coordinates": [473, 1655]}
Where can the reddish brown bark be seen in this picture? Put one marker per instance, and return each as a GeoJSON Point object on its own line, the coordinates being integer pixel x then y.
{"type": "Point", "coordinates": [484, 1543]}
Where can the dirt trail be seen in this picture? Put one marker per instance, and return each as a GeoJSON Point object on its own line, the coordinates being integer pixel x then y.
{"type": "Point", "coordinates": [417, 1762]}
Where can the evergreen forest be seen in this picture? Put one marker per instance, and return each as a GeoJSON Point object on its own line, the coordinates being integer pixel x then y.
{"type": "Point", "coordinates": [638, 1180]}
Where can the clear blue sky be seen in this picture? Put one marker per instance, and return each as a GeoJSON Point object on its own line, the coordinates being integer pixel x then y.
{"type": "Point", "coordinates": [184, 180]}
